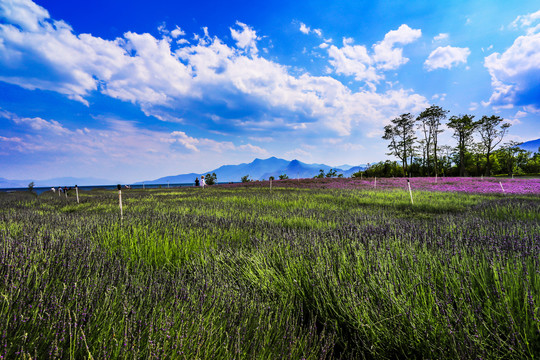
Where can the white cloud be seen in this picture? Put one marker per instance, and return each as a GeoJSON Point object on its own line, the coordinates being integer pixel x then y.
{"type": "Point", "coordinates": [446, 57]}
{"type": "Point", "coordinates": [42, 125]}
{"type": "Point", "coordinates": [23, 13]}
{"type": "Point", "coordinates": [181, 137]}
{"type": "Point", "coordinates": [11, 139]}
{"type": "Point", "coordinates": [348, 41]}
{"type": "Point", "coordinates": [490, 47]}
{"type": "Point", "coordinates": [177, 32]}
{"type": "Point", "coordinates": [304, 29]}
{"type": "Point", "coordinates": [515, 74]}
{"type": "Point", "coordinates": [441, 36]}
{"type": "Point", "coordinates": [520, 114]}
{"type": "Point", "coordinates": [440, 97]}
{"type": "Point", "coordinates": [246, 38]}
{"type": "Point", "coordinates": [527, 22]}
{"type": "Point", "coordinates": [356, 60]}
{"type": "Point", "coordinates": [353, 60]}
{"type": "Point", "coordinates": [167, 79]}
{"type": "Point", "coordinates": [252, 149]}
{"type": "Point", "coordinates": [387, 56]}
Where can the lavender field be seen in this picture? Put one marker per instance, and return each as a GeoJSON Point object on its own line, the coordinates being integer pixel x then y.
{"type": "Point", "coordinates": [312, 269]}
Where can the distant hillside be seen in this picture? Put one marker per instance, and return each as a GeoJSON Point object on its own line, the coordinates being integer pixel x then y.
{"type": "Point", "coordinates": [176, 179]}
{"type": "Point", "coordinates": [531, 146]}
{"type": "Point", "coordinates": [259, 169]}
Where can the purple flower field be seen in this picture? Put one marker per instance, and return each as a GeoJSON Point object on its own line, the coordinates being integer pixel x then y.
{"type": "Point", "coordinates": [451, 184]}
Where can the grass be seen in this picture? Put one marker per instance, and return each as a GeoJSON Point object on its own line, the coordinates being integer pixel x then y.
{"type": "Point", "coordinates": [245, 272]}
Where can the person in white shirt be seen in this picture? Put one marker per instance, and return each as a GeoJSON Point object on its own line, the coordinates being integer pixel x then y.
{"type": "Point", "coordinates": [203, 182]}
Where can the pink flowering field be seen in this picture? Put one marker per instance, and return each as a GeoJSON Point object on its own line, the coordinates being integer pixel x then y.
{"type": "Point", "coordinates": [486, 185]}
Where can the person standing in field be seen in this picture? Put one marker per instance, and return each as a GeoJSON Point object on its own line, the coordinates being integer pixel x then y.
{"type": "Point", "coordinates": [203, 182]}
{"type": "Point", "coordinates": [196, 181]}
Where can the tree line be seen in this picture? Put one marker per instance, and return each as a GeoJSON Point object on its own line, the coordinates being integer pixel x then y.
{"type": "Point", "coordinates": [415, 142]}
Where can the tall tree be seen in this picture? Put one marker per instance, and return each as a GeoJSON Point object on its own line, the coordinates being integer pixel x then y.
{"type": "Point", "coordinates": [425, 143]}
{"type": "Point", "coordinates": [512, 157]}
{"type": "Point", "coordinates": [401, 136]}
{"type": "Point", "coordinates": [430, 120]}
{"type": "Point", "coordinates": [492, 131]}
{"type": "Point", "coordinates": [464, 127]}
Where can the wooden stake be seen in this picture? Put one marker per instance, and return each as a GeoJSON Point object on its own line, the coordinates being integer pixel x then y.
{"type": "Point", "coordinates": [77, 192]}
{"type": "Point", "coordinates": [375, 182]}
{"type": "Point", "coordinates": [270, 184]}
{"type": "Point", "coordinates": [500, 183]}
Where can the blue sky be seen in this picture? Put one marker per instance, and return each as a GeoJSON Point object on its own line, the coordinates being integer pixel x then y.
{"type": "Point", "coordinates": [133, 90]}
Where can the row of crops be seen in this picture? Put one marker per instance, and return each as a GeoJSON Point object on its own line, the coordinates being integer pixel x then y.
{"type": "Point", "coordinates": [245, 272]}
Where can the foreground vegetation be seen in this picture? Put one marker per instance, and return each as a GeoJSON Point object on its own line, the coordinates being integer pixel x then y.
{"type": "Point", "coordinates": [245, 272]}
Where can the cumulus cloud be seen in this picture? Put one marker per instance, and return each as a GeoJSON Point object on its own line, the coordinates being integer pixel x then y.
{"type": "Point", "coordinates": [515, 74]}
{"type": "Point", "coordinates": [367, 66]}
{"type": "Point", "coordinates": [446, 57]}
{"type": "Point", "coordinates": [389, 57]}
{"type": "Point", "coordinates": [189, 83]}
{"type": "Point", "coordinates": [353, 60]}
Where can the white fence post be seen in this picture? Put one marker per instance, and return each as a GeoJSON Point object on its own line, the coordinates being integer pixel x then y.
{"type": "Point", "coordinates": [410, 192]}
{"type": "Point", "coordinates": [120, 201]}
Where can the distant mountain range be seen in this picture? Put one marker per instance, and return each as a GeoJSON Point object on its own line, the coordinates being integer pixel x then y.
{"type": "Point", "coordinates": [531, 146]}
{"type": "Point", "coordinates": [260, 169]}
